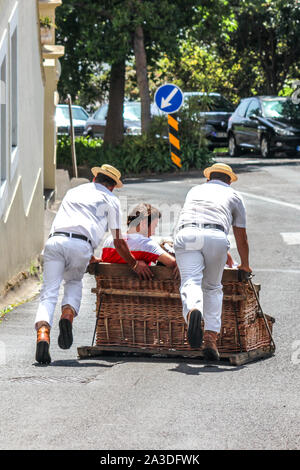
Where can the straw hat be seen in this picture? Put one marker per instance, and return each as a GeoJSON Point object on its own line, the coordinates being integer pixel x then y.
{"type": "Point", "coordinates": [110, 171]}
{"type": "Point", "coordinates": [220, 168]}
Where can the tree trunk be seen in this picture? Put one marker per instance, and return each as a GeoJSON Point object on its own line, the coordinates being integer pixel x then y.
{"type": "Point", "coordinates": [142, 77]}
{"type": "Point", "coordinates": [274, 69]}
{"type": "Point", "coordinates": [114, 129]}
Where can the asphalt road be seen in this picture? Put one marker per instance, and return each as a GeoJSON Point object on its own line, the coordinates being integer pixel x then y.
{"type": "Point", "coordinates": [124, 403]}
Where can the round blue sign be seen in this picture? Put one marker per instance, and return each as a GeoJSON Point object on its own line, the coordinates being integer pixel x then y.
{"type": "Point", "coordinates": [168, 98]}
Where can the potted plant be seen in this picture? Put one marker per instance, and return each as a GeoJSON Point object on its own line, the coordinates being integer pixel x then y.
{"type": "Point", "coordinates": [47, 28]}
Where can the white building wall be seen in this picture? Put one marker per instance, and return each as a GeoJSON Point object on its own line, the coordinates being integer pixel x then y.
{"type": "Point", "coordinates": [21, 203]}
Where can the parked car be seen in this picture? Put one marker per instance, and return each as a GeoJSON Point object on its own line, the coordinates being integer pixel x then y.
{"type": "Point", "coordinates": [95, 125]}
{"type": "Point", "coordinates": [62, 118]}
{"type": "Point", "coordinates": [216, 117]}
{"type": "Point", "coordinates": [265, 123]}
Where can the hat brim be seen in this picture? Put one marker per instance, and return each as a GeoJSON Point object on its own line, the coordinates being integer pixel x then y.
{"type": "Point", "coordinates": [208, 171]}
{"type": "Point", "coordinates": [97, 170]}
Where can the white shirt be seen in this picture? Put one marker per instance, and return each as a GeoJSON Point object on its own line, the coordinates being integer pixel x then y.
{"type": "Point", "coordinates": [214, 202]}
{"type": "Point", "coordinates": [141, 247]}
{"type": "Point", "coordinates": [89, 209]}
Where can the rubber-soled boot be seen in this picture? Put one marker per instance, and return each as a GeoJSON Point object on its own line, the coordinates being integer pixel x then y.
{"type": "Point", "coordinates": [195, 333]}
{"type": "Point", "coordinates": [65, 338]}
{"type": "Point", "coordinates": [42, 345]}
{"type": "Point", "coordinates": [210, 349]}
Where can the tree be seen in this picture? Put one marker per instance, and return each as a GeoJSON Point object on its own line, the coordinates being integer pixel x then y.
{"type": "Point", "coordinates": [270, 30]}
{"type": "Point", "coordinates": [94, 34]}
{"type": "Point", "coordinates": [260, 35]}
{"type": "Point", "coordinates": [158, 27]}
{"type": "Point", "coordinates": [114, 128]}
{"type": "Point", "coordinates": [142, 77]}
{"type": "Point", "coordinates": [112, 32]}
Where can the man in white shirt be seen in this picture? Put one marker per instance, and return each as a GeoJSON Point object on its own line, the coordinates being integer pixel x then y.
{"type": "Point", "coordinates": [201, 248]}
{"type": "Point", "coordinates": [84, 216]}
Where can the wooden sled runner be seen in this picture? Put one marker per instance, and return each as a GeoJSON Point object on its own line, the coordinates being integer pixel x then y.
{"type": "Point", "coordinates": [144, 317]}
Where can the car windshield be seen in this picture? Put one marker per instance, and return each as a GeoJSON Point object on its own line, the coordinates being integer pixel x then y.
{"type": "Point", "coordinates": [213, 103]}
{"type": "Point", "coordinates": [281, 109]}
{"type": "Point", "coordinates": [77, 113]}
{"type": "Point", "coordinates": [132, 111]}
{"type": "Point", "coordinates": [101, 113]}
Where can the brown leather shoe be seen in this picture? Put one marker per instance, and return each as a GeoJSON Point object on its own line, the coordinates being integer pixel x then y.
{"type": "Point", "coordinates": [42, 345]}
{"type": "Point", "coordinates": [65, 339]}
{"type": "Point", "coordinates": [210, 349]}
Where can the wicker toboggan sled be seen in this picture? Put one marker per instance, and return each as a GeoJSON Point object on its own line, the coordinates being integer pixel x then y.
{"type": "Point", "coordinates": [145, 316]}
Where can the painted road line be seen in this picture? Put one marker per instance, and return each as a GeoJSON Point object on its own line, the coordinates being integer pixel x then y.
{"type": "Point", "coordinates": [276, 270]}
{"type": "Point", "coordinates": [273, 201]}
{"type": "Point", "coordinates": [291, 238]}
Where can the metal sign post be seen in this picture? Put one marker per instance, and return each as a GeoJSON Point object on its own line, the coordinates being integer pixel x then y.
{"type": "Point", "coordinates": [73, 150]}
{"type": "Point", "coordinates": [169, 99]}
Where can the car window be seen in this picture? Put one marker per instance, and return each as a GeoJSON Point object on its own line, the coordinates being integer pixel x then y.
{"type": "Point", "coordinates": [219, 103]}
{"type": "Point", "coordinates": [207, 102]}
{"type": "Point", "coordinates": [242, 108]}
{"type": "Point", "coordinates": [254, 108]}
{"type": "Point", "coordinates": [77, 113]}
{"type": "Point", "coordinates": [132, 111]}
{"type": "Point", "coordinates": [101, 113]}
{"type": "Point", "coordinates": [59, 114]}
{"type": "Point", "coordinates": [281, 109]}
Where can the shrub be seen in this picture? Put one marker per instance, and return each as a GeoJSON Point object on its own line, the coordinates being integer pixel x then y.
{"type": "Point", "coordinates": [137, 154]}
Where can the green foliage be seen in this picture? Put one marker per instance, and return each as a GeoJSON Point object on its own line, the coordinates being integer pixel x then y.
{"type": "Point", "coordinates": [6, 310]}
{"type": "Point", "coordinates": [86, 150]}
{"type": "Point", "coordinates": [95, 90]}
{"type": "Point", "coordinates": [137, 154]}
{"type": "Point", "coordinates": [46, 22]}
{"type": "Point", "coordinates": [193, 121]}
{"type": "Point", "coordinates": [266, 36]}
{"type": "Point", "coordinates": [240, 48]}
{"type": "Point", "coordinates": [201, 69]}
{"type": "Point", "coordinates": [96, 33]}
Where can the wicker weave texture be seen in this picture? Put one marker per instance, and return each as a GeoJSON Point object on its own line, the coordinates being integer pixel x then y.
{"type": "Point", "coordinates": [148, 313]}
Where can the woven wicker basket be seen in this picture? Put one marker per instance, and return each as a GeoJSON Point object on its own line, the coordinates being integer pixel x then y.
{"type": "Point", "coordinates": [148, 313]}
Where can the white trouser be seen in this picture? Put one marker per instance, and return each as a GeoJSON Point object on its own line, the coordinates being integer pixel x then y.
{"type": "Point", "coordinates": [201, 256]}
{"type": "Point", "coordinates": [64, 259]}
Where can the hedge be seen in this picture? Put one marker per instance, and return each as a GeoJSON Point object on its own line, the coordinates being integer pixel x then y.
{"type": "Point", "coordinates": [136, 155]}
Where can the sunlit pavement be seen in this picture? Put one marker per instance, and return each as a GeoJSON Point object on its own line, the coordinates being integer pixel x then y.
{"type": "Point", "coordinates": [117, 403]}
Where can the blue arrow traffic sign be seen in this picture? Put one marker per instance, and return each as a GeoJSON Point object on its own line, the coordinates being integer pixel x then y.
{"type": "Point", "coordinates": [168, 98]}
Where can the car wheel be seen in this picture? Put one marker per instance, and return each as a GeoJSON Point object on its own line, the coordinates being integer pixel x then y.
{"type": "Point", "coordinates": [265, 147]}
{"type": "Point", "coordinates": [233, 149]}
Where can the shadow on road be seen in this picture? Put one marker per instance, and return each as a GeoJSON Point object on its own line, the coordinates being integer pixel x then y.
{"type": "Point", "coordinates": [182, 365]}
{"type": "Point", "coordinates": [74, 363]}
{"type": "Point", "coordinates": [206, 368]}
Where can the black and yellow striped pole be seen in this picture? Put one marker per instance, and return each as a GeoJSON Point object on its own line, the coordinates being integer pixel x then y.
{"type": "Point", "coordinates": [169, 99]}
{"type": "Point", "coordinates": [174, 140]}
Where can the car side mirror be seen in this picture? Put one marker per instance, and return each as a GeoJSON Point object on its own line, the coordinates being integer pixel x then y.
{"type": "Point", "coordinates": [253, 117]}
